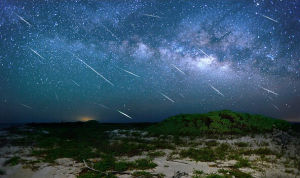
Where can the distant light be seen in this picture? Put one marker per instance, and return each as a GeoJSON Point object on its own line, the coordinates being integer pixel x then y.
{"type": "Point", "coordinates": [85, 119]}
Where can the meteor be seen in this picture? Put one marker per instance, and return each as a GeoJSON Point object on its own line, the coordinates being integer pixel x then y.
{"type": "Point", "coordinates": [275, 107]}
{"type": "Point", "coordinates": [26, 106]}
{"type": "Point", "coordinates": [205, 53]}
{"type": "Point", "coordinates": [102, 105]}
{"type": "Point", "coordinates": [35, 52]}
{"type": "Point", "coordinates": [75, 83]}
{"type": "Point", "coordinates": [23, 20]}
{"type": "Point", "coordinates": [93, 69]}
{"type": "Point", "coordinates": [151, 15]}
{"type": "Point", "coordinates": [216, 90]}
{"type": "Point", "coordinates": [56, 97]}
{"type": "Point", "coordinates": [128, 72]}
{"type": "Point", "coordinates": [112, 34]}
{"type": "Point", "coordinates": [269, 91]}
{"type": "Point", "coordinates": [124, 114]}
{"type": "Point", "coordinates": [181, 95]}
{"type": "Point", "coordinates": [269, 18]}
{"type": "Point", "coordinates": [178, 69]}
{"type": "Point", "coordinates": [167, 97]}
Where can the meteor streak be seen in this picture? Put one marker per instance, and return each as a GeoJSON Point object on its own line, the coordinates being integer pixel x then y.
{"type": "Point", "coordinates": [167, 97]}
{"type": "Point", "coordinates": [35, 52]}
{"type": "Point", "coordinates": [216, 90]}
{"type": "Point", "coordinates": [112, 34]}
{"type": "Point", "coordinates": [128, 72]}
{"type": "Point", "coordinates": [102, 105]}
{"type": "Point", "coordinates": [269, 91]}
{"type": "Point", "coordinates": [56, 97]}
{"type": "Point", "coordinates": [26, 106]}
{"type": "Point", "coordinates": [275, 107]}
{"type": "Point", "coordinates": [178, 69]}
{"type": "Point", "coordinates": [151, 15]}
{"type": "Point", "coordinates": [124, 114]}
{"type": "Point", "coordinates": [23, 20]}
{"type": "Point", "coordinates": [205, 53]}
{"type": "Point", "coordinates": [75, 83]}
{"type": "Point", "coordinates": [93, 69]}
{"type": "Point", "coordinates": [269, 18]}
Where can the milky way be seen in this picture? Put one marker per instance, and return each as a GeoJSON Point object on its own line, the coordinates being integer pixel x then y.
{"type": "Point", "coordinates": [134, 61]}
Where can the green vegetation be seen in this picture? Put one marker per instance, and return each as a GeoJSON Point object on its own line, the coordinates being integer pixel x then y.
{"type": "Point", "coordinates": [144, 174]}
{"type": "Point", "coordinates": [12, 161]}
{"type": "Point", "coordinates": [211, 143]}
{"type": "Point", "coordinates": [197, 174]}
{"type": "Point", "coordinates": [82, 141]}
{"type": "Point", "coordinates": [219, 122]}
{"type": "Point", "coordinates": [2, 172]}
{"type": "Point", "coordinates": [241, 144]}
{"type": "Point", "coordinates": [156, 154]}
{"type": "Point", "coordinates": [109, 164]}
{"type": "Point", "coordinates": [234, 172]}
{"type": "Point", "coordinates": [207, 153]}
{"type": "Point", "coordinates": [242, 163]}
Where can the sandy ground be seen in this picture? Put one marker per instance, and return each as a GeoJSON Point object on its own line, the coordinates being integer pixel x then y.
{"type": "Point", "coordinates": [67, 168]}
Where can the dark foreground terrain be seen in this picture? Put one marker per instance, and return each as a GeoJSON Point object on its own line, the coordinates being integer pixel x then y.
{"type": "Point", "coordinates": [216, 144]}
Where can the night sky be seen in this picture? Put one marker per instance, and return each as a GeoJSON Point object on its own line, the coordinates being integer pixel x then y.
{"type": "Point", "coordinates": [136, 61]}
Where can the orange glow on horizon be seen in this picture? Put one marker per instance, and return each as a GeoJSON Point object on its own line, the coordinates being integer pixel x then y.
{"type": "Point", "coordinates": [85, 119]}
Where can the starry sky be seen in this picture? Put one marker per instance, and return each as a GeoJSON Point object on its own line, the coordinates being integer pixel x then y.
{"type": "Point", "coordinates": [145, 60]}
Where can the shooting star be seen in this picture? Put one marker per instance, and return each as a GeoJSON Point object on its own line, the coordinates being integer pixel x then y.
{"type": "Point", "coordinates": [112, 34]}
{"type": "Point", "coordinates": [178, 69]}
{"type": "Point", "coordinates": [26, 106]}
{"type": "Point", "coordinates": [23, 20]}
{"type": "Point", "coordinates": [167, 97]}
{"type": "Point", "coordinates": [275, 107]}
{"type": "Point", "coordinates": [102, 105]}
{"type": "Point", "coordinates": [216, 90]}
{"type": "Point", "coordinates": [181, 95]}
{"type": "Point", "coordinates": [269, 18]}
{"type": "Point", "coordinates": [151, 15]}
{"type": "Point", "coordinates": [56, 97]}
{"type": "Point", "coordinates": [269, 91]}
{"type": "Point", "coordinates": [93, 69]}
{"type": "Point", "coordinates": [35, 52]}
{"type": "Point", "coordinates": [128, 72]}
{"type": "Point", "coordinates": [205, 53]}
{"type": "Point", "coordinates": [75, 83]}
{"type": "Point", "coordinates": [124, 114]}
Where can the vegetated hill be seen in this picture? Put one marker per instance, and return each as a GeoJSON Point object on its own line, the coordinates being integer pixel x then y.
{"type": "Point", "coordinates": [218, 122]}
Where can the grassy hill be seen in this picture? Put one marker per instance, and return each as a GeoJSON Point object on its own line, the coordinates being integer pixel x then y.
{"type": "Point", "coordinates": [218, 122]}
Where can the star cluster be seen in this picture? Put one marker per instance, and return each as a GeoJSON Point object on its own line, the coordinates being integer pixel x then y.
{"type": "Point", "coordinates": [146, 60]}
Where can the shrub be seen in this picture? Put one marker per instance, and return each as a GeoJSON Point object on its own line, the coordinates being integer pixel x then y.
{"type": "Point", "coordinates": [12, 161]}
{"type": "Point", "coordinates": [219, 122]}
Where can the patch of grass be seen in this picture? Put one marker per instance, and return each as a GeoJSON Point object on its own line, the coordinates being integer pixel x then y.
{"type": "Point", "coordinates": [211, 143]}
{"type": "Point", "coordinates": [144, 164]}
{"type": "Point", "coordinates": [234, 172]}
{"type": "Point", "coordinates": [215, 176]}
{"type": "Point", "coordinates": [90, 174]}
{"type": "Point", "coordinates": [289, 171]}
{"type": "Point", "coordinates": [142, 174]}
{"type": "Point", "coordinates": [207, 153]}
{"type": "Point", "coordinates": [241, 144]}
{"type": "Point", "coordinates": [109, 163]}
{"type": "Point", "coordinates": [202, 154]}
{"type": "Point", "coordinates": [12, 161]}
{"type": "Point", "coordinates": [2, 172]}
{"type": "Point", "coordinates": [197, 173]}
{"type": "Point", "coordinates": [156, 154]}
{"type": "Point", "coordinates": [242, 163]}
